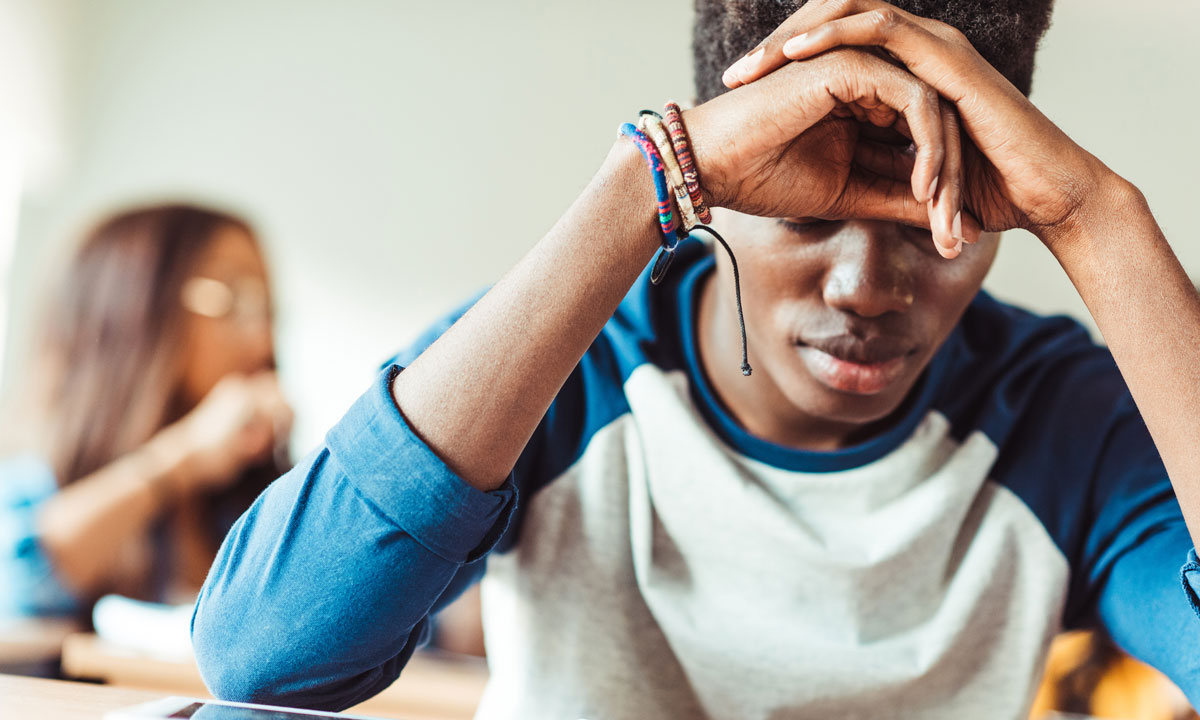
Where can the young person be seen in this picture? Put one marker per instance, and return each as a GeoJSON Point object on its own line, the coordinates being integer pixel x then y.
{"type": "Point", "coordinates": [917, 487]}
{"type": "Point", "coordinates": [153, 416]}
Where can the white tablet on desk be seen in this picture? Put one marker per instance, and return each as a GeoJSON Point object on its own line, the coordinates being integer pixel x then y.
{"type": "Point", "coordinates": [181, 708]}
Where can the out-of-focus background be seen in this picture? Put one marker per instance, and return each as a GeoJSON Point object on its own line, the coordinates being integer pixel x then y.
{"type": "Point", "coordinates": [397, 156]}
{"type": "Point", "coordinates": [394, 157]}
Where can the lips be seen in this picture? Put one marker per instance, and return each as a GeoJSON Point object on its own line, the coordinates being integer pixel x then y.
{"type": "Point", "coordinates": [863, 366]}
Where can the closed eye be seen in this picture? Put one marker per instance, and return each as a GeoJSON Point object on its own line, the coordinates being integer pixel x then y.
{"type": "Point", "coordinates": [807, 226]}
{"type": "Point", "coordinates": [920, 237]}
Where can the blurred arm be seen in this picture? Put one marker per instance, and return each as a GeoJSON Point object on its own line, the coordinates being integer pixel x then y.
{"type": "Point", "coordinates": [83, 526]}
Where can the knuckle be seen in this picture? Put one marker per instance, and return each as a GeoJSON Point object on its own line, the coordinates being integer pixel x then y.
{"type": "Point", "coordinates": [926, 96]}
{"type": "Point", "coordinates": [884, 20]}
{"type": "Point", "coordinates": [953, 34]}
{"type": "Point", "coordinates": [929, 96]}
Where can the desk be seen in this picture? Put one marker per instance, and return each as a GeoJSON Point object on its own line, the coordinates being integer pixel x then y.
{"type": "Point", "coordinates": [28, 645]}
{"type": "Point", "coordinates": [428, 689]}
{"type": "Point", "coordinates": [24, 698]}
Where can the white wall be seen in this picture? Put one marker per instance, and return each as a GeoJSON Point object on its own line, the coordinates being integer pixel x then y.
{"type": "Point", "coordinates": [1121, 79]}
{"type": "Point", "coordinates": [32, 137]}
{"type": "Point", "coordinates": [344, 129]}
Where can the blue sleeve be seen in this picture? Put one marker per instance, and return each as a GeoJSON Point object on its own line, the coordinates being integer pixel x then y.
{"type": "Point", "coordinates": [1135, 545]}
{"type": "Point", "coordinates": [324, 588]}
{"type": "Point", "coordinates": [322, 591]}
{"type": "Point", "coordinates": [1082, 458]}
{"type": "Point", "coordinates": [1073, 446]}
{"type": "Point", "coordinates": [28, 583]}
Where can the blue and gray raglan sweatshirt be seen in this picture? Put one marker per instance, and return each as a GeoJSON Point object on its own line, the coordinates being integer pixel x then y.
{"type": "Point", "coordinates": [649, 558]}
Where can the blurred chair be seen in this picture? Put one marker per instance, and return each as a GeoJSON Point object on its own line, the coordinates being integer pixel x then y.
{"type": "Point", "coordinates": [1087, 674]}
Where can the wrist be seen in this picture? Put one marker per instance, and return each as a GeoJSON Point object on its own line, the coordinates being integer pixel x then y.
{"type": "Point", "coordinates": [707, 156]}
{"type": "Point", "coordinates": [1111, 200]}
{"type": "Point", "coordinates": [625, 173]}
{"type": "Point", "coordinates": [167, 457]}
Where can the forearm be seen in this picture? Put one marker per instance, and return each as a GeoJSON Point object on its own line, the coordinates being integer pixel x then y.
{"type": "Point", "coordinates": [1149, 314]}
{"type": "Point", "coordinates": [477, 394]}
{"type": "Point", "coordinates": [84, 525]}
{"type": "Point", "coordinates": [355, 546]}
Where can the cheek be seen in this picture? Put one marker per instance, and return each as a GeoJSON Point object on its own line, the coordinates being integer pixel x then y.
{"type": "Point", "coordinates": [778, 293]}
{"type": "Point", "coordinates": [948, 286]}
{"type": "Point", "coordinates": [220, 347]}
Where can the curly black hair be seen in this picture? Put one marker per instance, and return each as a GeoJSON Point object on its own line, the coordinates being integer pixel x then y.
{"type": "Point", "coordinates": [1005, 32]}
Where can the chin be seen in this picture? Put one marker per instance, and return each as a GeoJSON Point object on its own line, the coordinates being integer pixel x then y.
{"type": "Point", "coordinates": [817, 400]}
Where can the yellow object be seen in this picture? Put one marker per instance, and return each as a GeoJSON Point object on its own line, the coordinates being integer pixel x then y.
{"type": "Point", "coordinates": [1126, 690]}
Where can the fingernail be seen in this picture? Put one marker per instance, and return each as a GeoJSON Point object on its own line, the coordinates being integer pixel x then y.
{"type": "Point", "coordinates": [748, 64]}
{"type": "Point", "coordinates": [958, 247]}
{"type": "Point", "coordinates": [795, 43]}
{"type": "Point", "coordinates": [730, 76]}
{"type": "Point", "coordinates": [956, 228]}
{"type": "Point", "coordinates": [933, 187]}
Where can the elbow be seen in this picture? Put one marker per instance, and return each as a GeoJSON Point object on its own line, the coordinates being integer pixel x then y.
{"type": "Point", "coordinates": [246, 662]}
{"type": "Point", "coordinates": [235, 664]}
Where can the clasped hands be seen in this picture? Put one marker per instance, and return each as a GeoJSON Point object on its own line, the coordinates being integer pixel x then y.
{"type": "Point", "coordinates": [797, 136]}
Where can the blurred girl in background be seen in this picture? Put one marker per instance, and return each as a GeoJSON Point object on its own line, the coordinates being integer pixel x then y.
{"type": "Point", "coordinates": [154, 416]}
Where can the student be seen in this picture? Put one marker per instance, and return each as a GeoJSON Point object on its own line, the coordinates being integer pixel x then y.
{"type": "Point", "coordinates": [914, 490]}
{"type": "Point", "coordinates": [155, 415]}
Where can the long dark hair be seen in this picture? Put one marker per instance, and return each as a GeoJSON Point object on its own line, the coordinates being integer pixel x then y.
{"type": "Point", "coordinates": [111, 350]}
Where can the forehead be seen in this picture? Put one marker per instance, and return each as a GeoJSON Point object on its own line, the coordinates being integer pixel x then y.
{"type": "Point", "coordinates": [231, 254]}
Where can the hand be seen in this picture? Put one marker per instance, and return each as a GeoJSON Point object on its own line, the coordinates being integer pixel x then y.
{"type": "Point", "coordinates": [1020, 169]}
{"type": "Point", "coordinates": [791, 145]}
{"type": "Point", "coordinates": [236, 425]}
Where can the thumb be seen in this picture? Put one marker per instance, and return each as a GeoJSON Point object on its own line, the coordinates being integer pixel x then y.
{"type": "Point", "coordinates": [868, 196]}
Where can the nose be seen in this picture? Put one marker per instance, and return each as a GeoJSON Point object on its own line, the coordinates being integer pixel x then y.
{"type": "Point", "coordinates": [871, 272]}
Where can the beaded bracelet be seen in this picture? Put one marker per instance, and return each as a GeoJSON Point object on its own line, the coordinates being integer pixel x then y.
{"type": "Point", "coordinates": [651, 124]}
{"type": "Point", "coordinates": [666, 220]}
{"type": "Point", "coordinates": [687, 164]}
{"type": "Point", "coordinates": [654, 161]}
{"type": "Point", "coordinates": [658, 164]}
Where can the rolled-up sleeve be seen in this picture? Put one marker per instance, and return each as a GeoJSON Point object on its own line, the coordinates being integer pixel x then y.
{"type": "Point", "coordinates": [428, 501]}
{"type": "Point", "coordinates": [323, 589]}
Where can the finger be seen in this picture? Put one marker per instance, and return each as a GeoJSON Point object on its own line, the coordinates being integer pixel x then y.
{"type": "Point", "coordinates": [939, 229]}
{"type": "Point", "coordinates": [944, 207]}
{"type": "Point", "coordinates": [873, 23]}
{"type": "Point", "coordinates": [768, 54]}
{"type": "Point", "coordinates": [870, 196]}
{"type": "Point", "coordinates": [890, 161]}
{"type": "Point", "coordinates": [970, 229]}
{"type": "Point", "coordinates": [949, 195]}
{"type": "Point", "coordinates": [881, 116]}
{"type": "Point", "coordinates": [862, 75]}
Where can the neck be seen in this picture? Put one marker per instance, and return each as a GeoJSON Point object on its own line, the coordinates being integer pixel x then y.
{"type": "Point", "coordinates": [756, 402]}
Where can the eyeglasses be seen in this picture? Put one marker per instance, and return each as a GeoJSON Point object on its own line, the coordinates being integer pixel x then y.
{"type": "Point", "coordinates": [245, 301]}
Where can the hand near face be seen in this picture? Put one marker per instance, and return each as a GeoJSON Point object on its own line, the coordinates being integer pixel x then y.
{"type": "Point", "coordinates": [1020, 169]}
{"type": "Point", "coordinates": [790, 145]}
{"type": "Point", "coordinates": [236, 425]}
